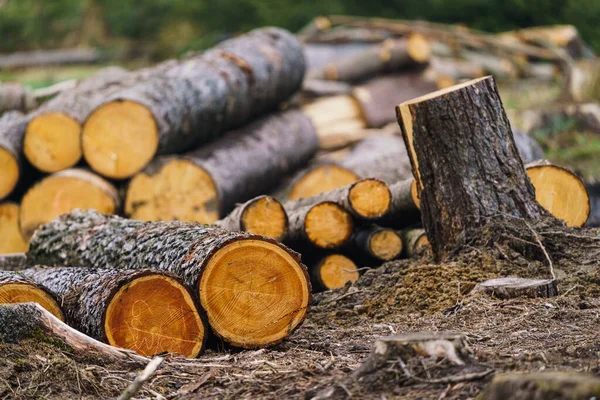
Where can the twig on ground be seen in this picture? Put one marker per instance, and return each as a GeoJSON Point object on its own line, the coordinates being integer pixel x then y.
{"type": "Point", "coordinates": [141, 378]}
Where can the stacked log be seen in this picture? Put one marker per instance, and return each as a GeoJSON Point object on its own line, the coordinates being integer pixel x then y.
{"type": "Point", "coordinates": [11, 239]}
{"type": "Point", "coordinates": [333, 271]}
{"type": "Point", "coordinates": [15, 288]}
{"type": "Point", "coordinates": [324, 225]}
{"type": "Point", "coordinates": [12, 129]}
{"type": "Point", "coordinates": [378, 243]}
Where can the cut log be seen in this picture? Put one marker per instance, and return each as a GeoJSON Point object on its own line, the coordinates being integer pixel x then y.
{"type": "Point", "coordinates": [321, 88]}
{"type": "Point", "coordinates": [314, 27]}
{"type": "Point", "coordinates": [38, 58]}
{"type": "Point", "coordinates": [318, 55]}
{"type": "Point", "coordinates": [262, 215]}
{"type": "Point", "coordinates": [333, 271]}
{"type": "Point", "coordinates": [510, 288]}
{"type": "Point", "coordinates": [12, 129]}
{"type": "Point", "coordinates": [15, 288]}
{"type": "Point", "coordinates": [366, 199]}
{"type": "Point", "coordinates": [325, 225]}
{"type": "Point", "coordinates": [147, 311]}
{"type": "Point", "coordinates": [565, 37]}
{"type": "Point", "coordinates": [382, 157]}
{"type": "Point", "coordinates": [501, 68]}
{"type": "Point", "coordinates": [11, 239]}
{"type": "Point", "coordinates": [206, 184]}
{"type": "Point", "coordinates": [13, 261]}
{"type": "Point", "coordinates": [254, 290]}
{"type": "Point", "coordinates": [328, 112]}
{"type": "Point", "coordinates": [584, 116]}
{"type": "Point", "coordinates": [193, 102]}
{"type": "Point", "coordinates": [63, 192]}
{"type": "Point", "coordinates": [405, 207]}
{"type": "Point", "coordinates": [15, 97]}
{"type": "Point", "coordinates": [392, 55]}
{"type": "Point", "coordinates": [415, 241]}
{"type": "Point", "coordinates": [456, 69]}
{"type": "Point", "coordinates": [28, 320]}
{"type": "Point", "coordinates": [382, 244]}
{"type": "Point", "coordinates": [465, 162]}
{"type": "Point", "coordinates": [583, 82]}
{"type": "Point", "coordinates": [549, 385]}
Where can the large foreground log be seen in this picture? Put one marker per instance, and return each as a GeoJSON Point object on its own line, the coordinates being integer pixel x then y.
{"type": "Point", "coordinates": [254, 290]}
{"type": "Point", "coordinates": [204, 185]}
{"type": "Point", "coordinates": [12, 129]}
{"type": "Point", "coordinates": [465, 162]}
{"type": "Point", "coordinates": [11, 239]}
{"type": "Point", "coordinates": [63, 192]}
{"type": "Point", "coordinates": [193, 102]}
{"type": "Point", "coordinates": [15, 288]}
{"type": "Point", "coordinates": [146, 311]}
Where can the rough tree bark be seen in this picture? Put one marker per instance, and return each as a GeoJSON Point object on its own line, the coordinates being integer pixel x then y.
{"type": "Point", "coordinates": [414, 241]}
{"type": "Point", "coordinates": [13, 261]}
{"type": "Point", "coordinates": [254, 290]}
{"type": "Point", "coordinates": [115, 306]}
{"type": "Point", "coordinates": [512, 287]}
{"type": "Point", "coordinates": [15, 288]}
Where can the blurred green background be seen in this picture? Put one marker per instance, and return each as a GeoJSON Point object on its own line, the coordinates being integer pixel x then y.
{"type": "Point", "coordinates": [158, 29]}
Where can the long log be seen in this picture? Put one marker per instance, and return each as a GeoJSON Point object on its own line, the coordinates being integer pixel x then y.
{"type": "Point", "coordinates": [15, 288]}
{"type": "Point", "coordinates": [465, 162]}
{"type": "Point", "coordinates": [193, 102]}
{"type": "Point", "coordinates": [324, 225]}
{"type": "Point", "coordinates": [63, 192]}
{"type": "Point", "coordinates": [378, 243]}
{"type": "Point", "coordinates": [262, 215]}
{"type": "Point", "coordinates": [204, 185]}
{"type": "Point", "coordinates": [11, 239]}
{"type": "Point", "coordinates": [12, 129]}
{"type": "Point", "coordinates": [254, 290]}
{"type": "Point", "coordinates": [332, 271]}
{"type": "Point", "coordinates": [147, 311]}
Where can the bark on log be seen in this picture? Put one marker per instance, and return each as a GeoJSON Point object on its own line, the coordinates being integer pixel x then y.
{"type": "Point", "coordinates": [405, 206]}
{"type": "Point", "coordinates": [205, 184]}
{"type": "Point", "coordinates": [146, 311]}
{"type": "Point", "coordinates": [13, 261]}
{"type": "Point", "coordinates": [378, 243]}
{"type": "Point", "coordinates": [39, 58]}
{"type": "Point", "coordinates": [332, 271]}
{"type": "Point", "coordinates": [15, 288]}
{"type": "Point", "coordinates": [565, 37]}
{"type": "Point", "coordinates": [366, 199]}
{"type": "Point", "coordinates": [27, 320]}
{"type": "Point", "coordinates": [318, 55]}
{"type": "Point", "coordinates": [262, 215]}
{"type": "Point", "coordinates": [465, 162]}
{"type": "Point", "coordinates": [15, 97]}
{"type": "Point", "coordinates": [551, 385]}
{"type": "Point", "coordinates": [63, 192]}
{"type": "Point", "coordinates": [193, 102]}
{"type": "Point", "coordinates": [415, 241]}
{"type": "Point", "coordinates": [325, 225]}
{"type": "Point", "coordinates": [320, 88]}
{"type": "Point", "coordinates": [254, 290]}
{"type": "Point", "coordinates": [12, 129]}
{"type": "Point", "coordinates": [510, 288]}
{"type": "Point", "coordinates": [11, 239]}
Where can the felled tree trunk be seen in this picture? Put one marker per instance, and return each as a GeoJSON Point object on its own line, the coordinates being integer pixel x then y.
{"type": "Point", "coordinates": [332, 271]}
{"type": "Point", "coordinates": [12, 129]}
{"type": "Point", "coordinates": [193, 102]}
{"type": "Point", "coordinates": [115, 307]}
{"type": "Point", "coordinates": [254, 290]}
{"type": "Point", "coordinates": [15, 288]}
{"type": "Point", "coordinates": [205, 184]}
{"type": "Point", "coordinates": [12, 240]}
{"type": "Point", "coordinates": [465, 162]}
{"type": "Point", "coordinates": [262, 215]}
{"type": "Point", "coordinates": [324, 225]}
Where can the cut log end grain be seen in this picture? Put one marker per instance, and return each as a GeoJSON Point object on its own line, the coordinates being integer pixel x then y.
{"type": "Point", "coordinates": [52, 142]}
{"type": "Point", "coordinates": [370, 198]}
{"type": "Point", "coordinates": [152, 314]}
{"type": "Point", "coordinates": [328, 225]}
{"type": "Point", "coordinates": [561, 192]}
{"type": "Point", "coordinates": [119, 139]}
{"type": "Point", "coordinates": [334, 271]}
{"type": "Point", "coordinates": [14, 289]}
{"type": "Point", "coordinates": [63, 192]}
{"type": "Point", "coordinates": [321, 179]}
{"type": "Point", "coordinates": [265, 216]}
{"type": "Point", "coordinates": [418, 48]}
{"type": "Point", "coordinates": [11, 240]}
{"type": "Point", "coordinates": [180, 190]}
{"type": "Point", "coordinates": [385, 244]}
{"type": "Point", "coordinates": [9, 172]}
{"type": "Point", "coordinates": [254, 292]}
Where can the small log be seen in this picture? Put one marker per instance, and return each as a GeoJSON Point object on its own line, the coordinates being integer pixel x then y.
{"type": "Point", "coordinates": [13, 261]}
{"type": "Point", "coordinates": [318, 55]}
{"type": "Point", "coordinates": [193, 102]}
{"type": "Point", "coordinates": [206, 184]}
{"type": "Point", "coordinates": [262, 215]}
{"type": "Point", "coordinates": [63, 192]}
{"type": "Point", "coordinates": [366, 199]}
{"type": "Point", "coordinates": [333, 271]}
{"type": "Point", "coordinates": [405, 208]}
{"type": "Point", "coordinates": [15, 288]}
{"type": "Point", "coordinates": [320, 88]}
{"type": "Point", "coordinates": [325, 225]}
{"type": "Point", "coordinates": [128, 309]}
{"type": "Point", "coordinates": [12, 129]}
{"type": "Point", "coordinates": [415, 240]}
{"type": "Point", "coordinates": [392, 55]}
{"type": "Point", "coordinates": [378, 243]}
{"type": "Point", "coordinates": [254, 290]}
{"type": "Point", "coordinates": [11, 239]}
{"type": "Point", "coordinates": [15, 97]}
{"type": "Point", "coordinates": [547, 385]}
{"type": "Point", "coordinates": [27, 320]}
{"type": "Point", "coordinates": [512, 287]}
{"type": "Point", "coordinates": [565, 37]}
{"type": "Point", "coordinates": [314, 27]}
{"type": "Point", "coordinates": [560, 191]}
{"type": "Point", "coordinates": [41, 58]}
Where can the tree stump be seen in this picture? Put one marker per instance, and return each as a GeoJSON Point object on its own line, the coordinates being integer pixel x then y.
{"type": "Point", "coordinates": [512, 287]}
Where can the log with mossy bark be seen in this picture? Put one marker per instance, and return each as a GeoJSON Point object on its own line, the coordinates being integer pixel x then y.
{"type": "Point", "coordinates": [262, 215]}
{"type": "Point", "coordinates": [325, 225]}
{"type": "Point", "coordinates": [63, 192]}
{"type": "Point", "coordinates": [205, 184]}
{"type": "Point", "coordinates": [194, 102]}
{"type": "Point", "coordinates": [15, 288]}
{"type": "Point", "coordinates": [254, 290]}
{"type": "Point", "coordinates": [12, 129]}
{"type": "Point", "coordinates": [11, 239]}
{"type": "Point", "coordinates": [147, 311]}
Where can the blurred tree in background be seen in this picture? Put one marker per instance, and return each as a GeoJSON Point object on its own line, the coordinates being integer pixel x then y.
{"type": "Point", "coordinates": [164, 28]}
